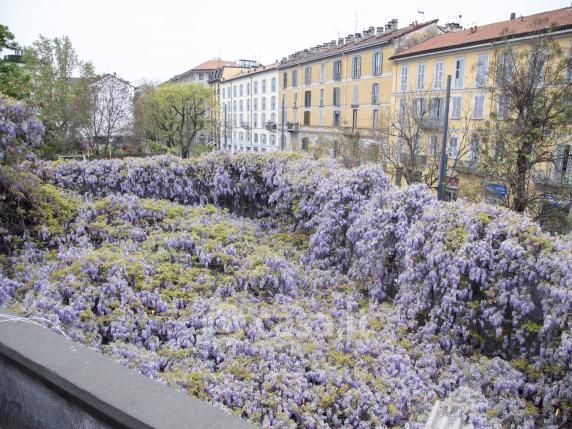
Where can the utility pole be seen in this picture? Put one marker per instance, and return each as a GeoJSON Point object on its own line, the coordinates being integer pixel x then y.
{"type": "Point", "coordinates": [282, 138]}
{"type": "Point", "coordinates": [443, 162]}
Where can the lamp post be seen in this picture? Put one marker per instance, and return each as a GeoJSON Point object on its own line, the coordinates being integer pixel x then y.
{"type": "Point", "coordinates": [443, 161]}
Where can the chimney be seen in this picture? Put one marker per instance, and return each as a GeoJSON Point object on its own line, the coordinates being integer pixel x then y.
{"type": "Point", "coordinates": [357, 36]}
{"type": "Point", "coordinates": [453, 26]}
{"type": "Point", "coordinates": [349, 38]}
{"type": "Point", "coordinates": [379, 31]}
{"type": "Point", "coordinates": [512, 16]}
{"type": "Point", "coordinates": [391, 26]}
{"type": "Point", "coordinates": [341, 41]}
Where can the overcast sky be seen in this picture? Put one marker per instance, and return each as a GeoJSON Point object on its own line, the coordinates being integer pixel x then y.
{"type": "Point", "coordinates": [157, 39]}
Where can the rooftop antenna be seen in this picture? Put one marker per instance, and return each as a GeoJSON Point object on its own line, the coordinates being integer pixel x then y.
{"type": "Point", "coordinates": [421, 13]}
{"type": "Point", "coordinates": [355, 30]}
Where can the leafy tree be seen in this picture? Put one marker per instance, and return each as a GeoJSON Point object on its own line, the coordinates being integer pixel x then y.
{"type": "Point", "coordinates": [533, 89]}
{"type": "Point", "coordinates": [51, 64]}
{"type": "Point", "coordinates": [14, 82]}
{"type": "Point", "coordinates": [175, 114]}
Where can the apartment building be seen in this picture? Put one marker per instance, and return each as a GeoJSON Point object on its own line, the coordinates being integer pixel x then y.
{"type": "Point", "coordinates": [202, 72]}
{"type": "Point", "coordinates": [343, 87]}
{"type": "Point", "coordinates": [469, 55]}
{"type": "Point", "coordinates": [249, 110]}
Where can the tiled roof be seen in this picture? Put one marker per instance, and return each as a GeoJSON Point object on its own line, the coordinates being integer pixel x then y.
{"type": "Point", "coordinates": [554, 19]}
{"type": "Point", "coordinates": [355, 44]}
{"type": "Point", "coordinates": [213, 64]}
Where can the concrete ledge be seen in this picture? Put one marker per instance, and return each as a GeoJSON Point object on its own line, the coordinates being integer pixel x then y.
{"type": "Point", "coordinates": [46, 369]}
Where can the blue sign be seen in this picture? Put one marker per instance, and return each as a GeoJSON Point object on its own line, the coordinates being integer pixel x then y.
{"type": "Point", "coordinates": [497, 189]}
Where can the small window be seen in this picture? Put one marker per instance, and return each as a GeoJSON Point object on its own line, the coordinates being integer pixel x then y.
{"type": "Point", "coordinates": [240, 90]}
{"type": "Point", "coordinates": [356, 67]}
{"type": "Point", "coordinates": [355, 95]}
{"type": "Point", "coordinates": [255, 87]}
{"type": "Point", "coordinates": [248, 88]}
{"type": "Point", "coordinates": [294, 78]}
{"type": "Point", "coordinates": [457, 107]}
{"type": "Point", "coordinates": [475, 148]}
{"type": "Point", "coordinates": [322, 97]}
{"type": "Point", "coordinates": [284, 80]}
{"type": "Point", "coordinates": [479, 107]}
{"type": "Point", "coordinates": [375, 119]}
{"type": "Point", "coordinates": [306, 117]}
{"type": "Point", "coordinates": [308, 75]}
{"type": "Point", "coordinates": [403, 80]}
{"type": "Point", "coordinates": [482, 70]}
{"type": "Point", "coordinates": [336, 118]}
{"type": "Point", "coordinates": [377, 63]}
{"type": "Point", "coordinates": [453, 147]}
{"type": "Point", "coordinates": [337, 70]}
{"type": "Point", "coordinates": [308, 99]}
{"type": "Point", "coordinates": [336, 96]}
{"type": "Point", "coordinates": [322, 72]}
{"type": "Point", "coordinates": [420, 76]}
{"type": "Point", "coordinates": [375, 93]}
{"type": "Point", "coordinates": [273, 84]}
{"type": "Point", "coordinates": [305, 142]}
{"type": "Point", "coordinates": [263, 84]}
{"type": "Point", "coordinates": [459, 73]}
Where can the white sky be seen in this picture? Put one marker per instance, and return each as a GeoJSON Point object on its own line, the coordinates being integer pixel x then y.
{"type": "Point", "coordinates": [156, 39]}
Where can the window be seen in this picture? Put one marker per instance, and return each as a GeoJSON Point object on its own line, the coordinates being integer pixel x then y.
{"type": "Point", "coordinates": [336, 96]}
{"type": "Point", "coordinates": [273, 102]}
{"type": "Point", "coordinates": [263, 103]}
{"type": "Point", "coordinates": [322, 97]}
{"type": "Point", "coordinates": [355, 99]}
{"type": "Point", "coordinates": [356, 67]}
{"type": "Point", "coordinates": [305, 141]}
{"type": "Point", "coordinates": [375, 93]}
{"type": "Point", "coordinates": [563, 164]}
{"type": "Point", "coordinates": [255, 104]}
{"type": "Point", "coordinates": [505, 66]}
{"type": "Point", "coordinates": [294, 78]}
{"type": "Point", "coordinates": [308, 75]}
{"type": "Point", "coordinates": [247, 102]}
{"type": "Point", "coordinates": [321, 116]}
{"type": "Point", "coordinates": [376, 63]}
{"type": "Point", "coordinates": [306, 117]}
{"type": "Point", "coordinates": [241, 105]}
{"type": "Point", "coordinates": [255, 137]}
{"type": "Point", "coordinates": [273, 117]}
{"type": "Point", "coordinates": [433, 145]}
{"type": "Point", "coordinates": [234, 90]}
{"type": "Point", "coordinates": [453, 147]}
{"type": "Point", "coordinates": [255, 120]}
{"type": "Point", "coordinates": [419, 107]}
{"type": "Point", "coordinates": [263, 86]}
{"type": "Point", "coordinates": [255, 87]}
{"type": "Point", "coordinates": [248, 88]}
{"type": "Point", "coordinates": [403, 85]}
{"type": "Point", "coordinates": [337, 70]}
{"type": "Point", "coordinates": [475, 148]}
{"type": "Point", "coordinates": [241, 119]}
{"type": "Point", "coordinates": [272, 139]}
{"type": "Point", "coordinates": [240, 90]}
{"type": "Point", "coordinates": [436, 107]}
{"type": "Point", "coordinates": [503, 107]}
{"type": "Point", "coordinates": [457, 107]}
{"type": "Point", "coordinates": [375, 119]}
{"type": "Point", "coordinates": [223, 93]}
{"type": "Point", "coordinates": [263, 138]}
{"type": "Point", "coordinates": [438, 77]}
{"type": "Point", "coordinates": [459, 73]}
{"type": "Point", "coordinates": [263, 120]}
{"type": "Point", "coordinates": [308, 99]}
{"type": "Point", "coordinates": [273, 84]}
{"type": "Point", "coordinates": [420, 76]}
{"type": "Point", "coordinates": [482, 70]}
{"type": "Point", "coordinates": [284, 80]}
{"type": "Point", "coordinates": [234, 120]}
{"type": "Point", "coordinates": [234, 105]}
{"type": "Point", "coordinates": [201, 76]}
{"type": "Point", "coordinates": [322, 72]}
{"type": "Point", "coordinates": [336, 118]}
{"type": "Point", "coordinates": [479, 107]}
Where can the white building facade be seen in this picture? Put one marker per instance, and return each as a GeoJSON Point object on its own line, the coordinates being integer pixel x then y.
{"type": "Point", "coordinates": [249, 102]}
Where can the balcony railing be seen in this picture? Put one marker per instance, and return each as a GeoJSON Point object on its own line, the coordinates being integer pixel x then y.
{"type": "Point", "coordinates": [245, 125]}
{"type": "Point", "coordinates": [292, 127]}
{"type": "Point", "coordinates": [270, 125]}
{"type": "Point", "coordinates": [431, 122]}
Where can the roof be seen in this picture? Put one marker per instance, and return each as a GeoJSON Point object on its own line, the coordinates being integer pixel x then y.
{"type": "Point", "coordinates": [213, 64]}
{"type": "Point", "coordinates": [363, 42]}
{"type": "Point", "coordinates": [518, 27]}
{"type": "Point", "coordinates": [252, 71]}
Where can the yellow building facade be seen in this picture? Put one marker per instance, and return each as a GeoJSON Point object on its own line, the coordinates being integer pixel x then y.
{"type": "Point", "coordinates": [342, 88]}
{"type": "Point", "coordinates": [471, 57]}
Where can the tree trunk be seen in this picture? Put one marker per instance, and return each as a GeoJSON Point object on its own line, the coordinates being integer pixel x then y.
{"type": "Point", "coordinates": [520, 199]}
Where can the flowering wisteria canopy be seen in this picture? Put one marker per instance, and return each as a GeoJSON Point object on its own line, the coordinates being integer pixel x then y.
{"type": "Point", "coordinates": [299, 293]}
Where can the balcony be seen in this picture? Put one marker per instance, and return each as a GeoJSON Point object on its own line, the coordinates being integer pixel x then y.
{"type": "Point", "coordinates": [270, 125]}
{"type": "Point", "coordinates": [432, 123]}
{"type": "Point", "coordinates": [245, 125]}
{"type": "Point", "coordinates": [292, 127]}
